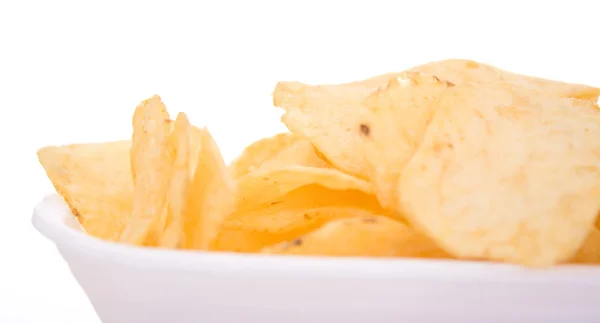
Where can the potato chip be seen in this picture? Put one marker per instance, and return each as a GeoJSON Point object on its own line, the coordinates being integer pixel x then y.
{"type": "Point", "coordinates": [366, 236]}
{"type": "Point", "coordinates": [152, 156]}
{"type": "Point", "coordinates": [460, 71]}
{"type": "Point", "coordinates": [316, 196]}
{"type": "Point", "coordinates": [506, 174]}
{"type": "Point", "coordinates": [299, 153]}
{"type": "Point", "coordinates": [329, 116]}
{"type": "Point", "coordinates": [180, 182]}
{"type": "Point", "coordinates": [95, 181]}
{"type": "Point", "coordinates": [260, 151]}
{"type": "Point", "coordinates": [589, 252]}
{"type": "Point", "coordinates": [267, 185]}
{"type": "Point", "coordinates": [211, 197]}
{"type": "Point", "coordinates": [194, 139]}
{"type": "Point", "coordinates": [252, 231]}
{"type": "Point", "coordinates": [394, 127]}
{"type": "Point", "coordinates": [280, 150]}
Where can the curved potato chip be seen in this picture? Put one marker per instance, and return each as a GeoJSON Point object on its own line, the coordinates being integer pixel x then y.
{"type": "Point", "coordinates": [330, 116]}
{"type": "Point", "coordinates": [195, 146]}
{"type": "Point", "coordinates": [315, 196]}
{"type": "Point", "coordinates": [397, 119]}
{"type": "Point", "coordinates": [461, 71]}
{"type": "Point", "coordinates": [210, 199]}
{"type": "Point", "coordinates": [152, 156]}
{"type": "Point", "coordinates": [284, 149]}
{"type": "Point", "coordinates": [366, 236]}
{"type": "Point", "coordinates": [267, 185]}
{"type": "Point", "coordinates": [506, 175]}
{"type": "Point", "coordinates": [260, 151]}
{"type": "Point", "coordinates": [95, 181]}
{"type": "Point", "coordinates": [180, 182]}
{"type": "Point", "coordinates": [299, 153]}
{"type": "Point", "coordinates": [589, 253]}
{"type": "Point", "coordinates": [252, 231]}
{"type": "Point", "coordinates": [195, 138]}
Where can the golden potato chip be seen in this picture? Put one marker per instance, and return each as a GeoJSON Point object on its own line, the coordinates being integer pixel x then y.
{"type": "Point", "coordinates": [283, 149]}
{"type": "Point", "coordinates": [367, 236]}
{"type": "Point", "coordinates": [284, 217]}
{"type": "Point", "coordinates": [266, 185]}
{"type": "Point", "coordinates": [95, 181]}
{"type": "Point", "coordinates": [180, 181]}
{"type": "Point", "coordinates": [195, 144]}
{"type": "Point", "coordinates": [260, 151]}
{"type": "Point", "coordinates": [397, 117]}
{"type": "Point", "coordinates": [329, 116]}
{"type": "Point", "coordinates": [460, 71]}
{"type": "Point", "coordinates": [138, 116]}
{"type": "Point", "coordinates": [254, 230]}
{"type": "Point", "coordinates": [194, 139]}
{"type": "Point", "coordinates": [505, 174]}
{"type": "Point", "coordinates": [299, 153]}
{"type": "Point", "coordinates": [315, 196]}
{"type": "Point", "coordinates": [393, 128]}
{"type": "Point", "coordinates": [211, 197]}
{"type": "Point", "coordinates": [152, 158]}
{"type": "Point", "coordinates": [589, 252]}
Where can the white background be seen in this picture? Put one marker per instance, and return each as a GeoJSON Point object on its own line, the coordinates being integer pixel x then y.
{"type": "Point", "coordinates": [74, 72]}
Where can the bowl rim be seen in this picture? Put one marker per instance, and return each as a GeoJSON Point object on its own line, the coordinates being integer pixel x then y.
{"type": "Point", "coordinates": [51, 216]}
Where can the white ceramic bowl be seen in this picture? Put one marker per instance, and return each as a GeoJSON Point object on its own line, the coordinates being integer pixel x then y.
{"type": "Point", "coordinates": [128, 284]}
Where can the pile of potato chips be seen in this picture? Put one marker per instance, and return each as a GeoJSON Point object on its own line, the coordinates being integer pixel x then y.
{"type": "Point", "coordinates": [453, 159]}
